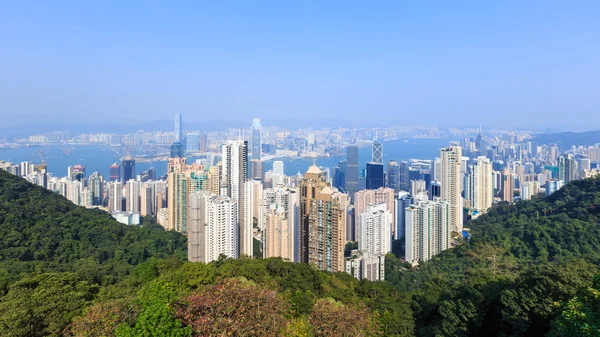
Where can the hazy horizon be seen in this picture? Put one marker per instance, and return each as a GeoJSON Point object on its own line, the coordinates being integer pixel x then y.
{"type": "Point", "coordinates": [530, 65]}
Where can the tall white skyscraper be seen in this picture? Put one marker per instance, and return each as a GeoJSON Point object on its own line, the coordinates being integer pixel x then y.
{"type": "Point", "coordinates": [234, 174]}
{"type": "Point", "coordinates": [212, 227]}
{"type": "Point", "coordinates": [482, 195]}
{"type": "Point", "coordinates": [427, 229]}
{"type": "Point", "coordinates": [451, 181]}
{"type": "Point", "coordinates": [375, 230]}
{"type": "Point", "coordinates": [234, 170]}
{"type": "Point", "coordinates": [132, 196]}
{"type": "Point", "coordinates": [115, 196]}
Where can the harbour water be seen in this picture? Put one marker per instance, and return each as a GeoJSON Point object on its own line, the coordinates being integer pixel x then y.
{"type": "Point", "coordinates": [100, 157]}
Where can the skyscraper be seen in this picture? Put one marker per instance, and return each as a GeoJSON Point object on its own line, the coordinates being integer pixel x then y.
{"type": "Point", "coordinates": [115, 172]}
{"type": "Point", "coordinates": [128, 165]}
{"type": "Point", "coordinates": [96, 189]}
{"type": "Point", "coordinates": [508, 186]}
{"type": "Point", "coordinates": [323, 229]}
{"type": "Point", "coordinates": [404, 176]}
{"type": "Point", "coordinates": [257, 169]}
{"type": "Point", "coordinates": [566, 168]}
{"type": "Point", "coordinates": [375, 177]}
{"type": "Point", "coordinates": [351, 176]}
{"type": "Point", "coordinates": [234, 170]}
{"type": "Point", "coordinates": [178, 128]}
{"type": "Point", "coordinates": [375, 229]}
{"type": "Point", "coordinates": [364, 198]}
{"type": "Point", "coordinates": [279, 220]}
{"type": "Point", "coordinates": [115, 196]}
{"type": "Point", "coordinates": [450, 181]}
{"type": "Point", "coordinates": [402, 201]}
{"type": "Point", "coordinates": [234, 174]}
{"type": "Point", "coordinates": [482, 196]}
{"type": "Point", "coordinates": [428, 229]}
{"type": "Point", "coordinates": [192, 142]}
{"type": "Point", "coordinates": [417, 186]}
{"type": "Point", "coordinates": [339, 176]}
{"type": "Point", "coordinates": [256, 138]}
{"type": "Point", "coordinates": [278, 167]}
{"type": "Point", "coordinates": [176, 150]}
{"type": "Point", "coordinates": [132, 196]}
{"type": "Point", "coordinates": [213, 227]}
{"type": "Point", "coordinates": [182, 181]}
{"type": "Point", "coordinates": [393, 176]}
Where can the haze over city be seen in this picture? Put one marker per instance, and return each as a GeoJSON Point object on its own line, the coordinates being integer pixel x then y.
{"type": "Point", "coordinates": [504, 64]}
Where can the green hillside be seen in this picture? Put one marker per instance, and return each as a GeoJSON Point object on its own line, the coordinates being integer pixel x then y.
{"type": "Point", "coordinates": [41, 231]}
{"type": "Point", "coordinates": [527, 271]}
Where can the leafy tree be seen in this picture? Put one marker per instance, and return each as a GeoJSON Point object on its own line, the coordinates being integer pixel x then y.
{"type": "Point", "coordinates": [44, 305]}
{"type": "Point", "coordinates": [234, 307]}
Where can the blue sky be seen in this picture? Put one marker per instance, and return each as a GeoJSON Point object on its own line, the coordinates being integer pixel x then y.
{"type": "Point", "coordinates": [445, 63]}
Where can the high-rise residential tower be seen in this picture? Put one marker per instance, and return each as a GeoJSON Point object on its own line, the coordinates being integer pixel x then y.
{"type": "Point", "coordinates": [364, 198]}
{"type": "Point", "coordinates": [450, 181]}
{"type": "Point", "coordinates": [234, 174]}
{"type": "Point", "coordinates": [213, 227]}
{"type": "Point", "coordinates": [428, 229]}
{"type": "Point", "coordinates": [482, 195]}
{"type": "Point", "coordinates": [567, 168]}
{"type": "Point", "coordinates": [375, 229]}
{"type": "Point", "coordinates": [508, 186]}
{"type": "Point", "coordinates": [278, 219]}
{"type": "Point", "coordinates": [323, 226]}
{"type": "Point", "coordinates": [182, 180]}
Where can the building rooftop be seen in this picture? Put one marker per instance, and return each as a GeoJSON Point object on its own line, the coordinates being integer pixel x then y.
{"type": "Point", "coordinates": [314, 170]}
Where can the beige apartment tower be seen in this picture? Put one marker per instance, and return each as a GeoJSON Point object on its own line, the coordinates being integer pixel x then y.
{"type": "Point", "coordinates": [450, 181]}
{"type": "Point", "coordinates": [323, 211]}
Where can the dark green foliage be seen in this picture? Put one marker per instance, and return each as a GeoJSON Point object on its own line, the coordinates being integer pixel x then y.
{"type": "Point", "coordinates": [43, 232]}
{"type": "Point", "coordinates": [349, 247]}
{"type": "Point", "coordinates": [257, 248]}
{"type": "Point", "coordinates": [44, 305]}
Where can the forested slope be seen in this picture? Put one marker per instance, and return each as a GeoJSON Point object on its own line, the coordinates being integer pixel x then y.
{"type": "Point", "coordinates": [41, 231]}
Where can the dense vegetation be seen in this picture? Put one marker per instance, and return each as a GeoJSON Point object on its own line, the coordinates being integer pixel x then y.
{"type": "Point", "coordinates": [529, 270]}
{"type": "Point", "coordinates": [41, 232]}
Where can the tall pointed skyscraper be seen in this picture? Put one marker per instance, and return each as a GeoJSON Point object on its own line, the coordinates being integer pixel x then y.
{"type": "Point", "coordinates": [256, 138]}
{"type": "Point", "coordinates": [450, 181]}
{"type": "Point", "coordinates": [377, 152]}
{"type": "Point", "coordinates": [178, 129]}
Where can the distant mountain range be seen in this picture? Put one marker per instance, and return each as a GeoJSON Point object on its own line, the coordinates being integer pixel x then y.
{"type": "Point", "coordinates": [567, 139]}
{"type": "Point", "coordinates": [166, 125]}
